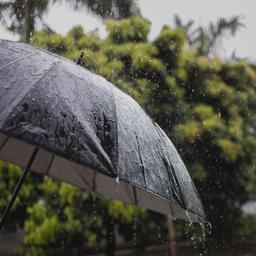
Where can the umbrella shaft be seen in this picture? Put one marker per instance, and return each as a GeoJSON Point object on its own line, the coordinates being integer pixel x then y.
{"type": "Point", "coordinates": [18, 186]}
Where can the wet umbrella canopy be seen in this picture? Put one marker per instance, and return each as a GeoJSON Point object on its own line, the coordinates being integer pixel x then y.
{"type": "Point", "coordinates": [88, 133]}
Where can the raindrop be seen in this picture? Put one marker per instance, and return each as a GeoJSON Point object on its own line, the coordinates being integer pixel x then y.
{"type": "Point", "coordinates": [135, 222]}
{"type": "Point", "coordinates": [209, 225]}
{"type": "Point", "coordinates": [190, 222]}
{"type": "Point", "coordinates": [187, 214]}
{"type": "Point", "coordinates": [192, 238]}
{"type": "Point", "coordinates": [95, 6]}
{"type": "Point", "coordinates": [203, 239]}
{"type": "Point", "coordinates": [117, 184]}
{"type": "Point", "coordinates": [94, 210]}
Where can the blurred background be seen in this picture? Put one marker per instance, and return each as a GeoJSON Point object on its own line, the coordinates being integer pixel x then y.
{"type": "Point", "coordinates": [191, 66]}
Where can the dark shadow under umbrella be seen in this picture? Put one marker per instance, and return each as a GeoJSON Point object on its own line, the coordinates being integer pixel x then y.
{"type": "Point", "coordinates": [59, 119]}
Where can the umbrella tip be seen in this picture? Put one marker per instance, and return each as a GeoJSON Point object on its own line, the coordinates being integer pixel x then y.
{"type": "Point", "coordinates": [80, 58]}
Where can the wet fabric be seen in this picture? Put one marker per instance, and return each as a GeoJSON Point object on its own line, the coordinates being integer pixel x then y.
{"type": "Point", "coordinates": [92, 134]}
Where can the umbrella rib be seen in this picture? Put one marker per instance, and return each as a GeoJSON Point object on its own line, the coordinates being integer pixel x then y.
{"type": "Point", "coordinates": [94, 181]}
{"type": "Point", "coordinates": [116, 136]}
{"type": "Point", "coordinates": [135, 195]}
{"type": "Point", "coordinates": [18, 186]}
{"type": "Point", "coordinates": [141, 162]}
{"type": "Point", "coordinates": [4, 142]}
{"type": "Point", "coordinates": [171, 209]}
{"type": "Point", "coordinates": [173, 181]}
{"type": "Point", "coordinates": [50, 165]}
{"type": "Point", "coordinates": [173, 177]}
{"type": "Point", "coordinates": [17, 60]}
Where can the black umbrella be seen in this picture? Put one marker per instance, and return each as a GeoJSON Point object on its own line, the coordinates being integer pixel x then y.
{"type": "Point", "coordinates": [59, 119]}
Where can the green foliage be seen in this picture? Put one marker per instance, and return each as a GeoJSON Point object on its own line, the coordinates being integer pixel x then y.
{"type": "Point", "coordinates": [187, 131]}
{"type": "Point", "coordinates": [128, 30]}
{"type": "Point", "coordinates": [169, 44]}
{"type": "Point", "coordinates": [248, 226]}
{"type": "Point", "coordinates": [81, 40]}
{"type": "Point", "coordinates": [20, 16]}
{"type": "Point", "coordinates": [52, 42]}
{"type": "Point", "coordinates": [207, 108]}
{"type": "Point", "coordinates": [9, 175]}
{"type": "Point", "coordinates": [205, 39]}
{"type": "Point", "coordinates": [229, 149]}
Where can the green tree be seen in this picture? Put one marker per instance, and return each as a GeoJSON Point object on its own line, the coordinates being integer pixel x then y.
{"type": "Point", "coordinates": [206, 39]}
{"type": "Point", "coordinates": [23, 14]}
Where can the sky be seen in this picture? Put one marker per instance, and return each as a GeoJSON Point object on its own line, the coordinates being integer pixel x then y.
{"type": "Point", "coordinates": [61, 18]}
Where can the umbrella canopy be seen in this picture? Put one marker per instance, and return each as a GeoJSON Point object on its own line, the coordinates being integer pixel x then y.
{"type": "Point", "coordinates": [88, 133]}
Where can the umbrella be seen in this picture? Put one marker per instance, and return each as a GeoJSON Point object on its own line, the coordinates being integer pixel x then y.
{"type": "Point", "coordinates": [61, 120]}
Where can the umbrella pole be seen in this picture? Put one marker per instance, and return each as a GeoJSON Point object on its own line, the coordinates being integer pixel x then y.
{"type": "Point", "coordinates": [18, 186]}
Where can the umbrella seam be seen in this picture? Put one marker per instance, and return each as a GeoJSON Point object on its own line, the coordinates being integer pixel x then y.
{"type": "Point", "coordinates": [4, 142]}
{"type": "Point", "coordinates": [50, 165]}
{"type": "Point", "coordinates": [135, 195]}
{"type": "Point", "coordinates": [141, 162]}
{"type": "Point", "coordinates": [94, 181]}
{"type": "Point", "coordinates": [40, 50]}
{"type": "Point", "coordinates": [169, 200]}
{"type": "Point", "coordinates": [171, 210]}
{"type": "Point", "coordinates": [170, 166]}
{"type": "Point", "coordinates": [17, 60]}
{"type": "Point", "coordinates": [54, 64]}
{"type": "Point", "coordinates": [116, 135]}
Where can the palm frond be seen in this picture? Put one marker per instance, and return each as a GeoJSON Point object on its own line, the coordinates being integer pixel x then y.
{"type": "Point", "coordinates": [206, 38]}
